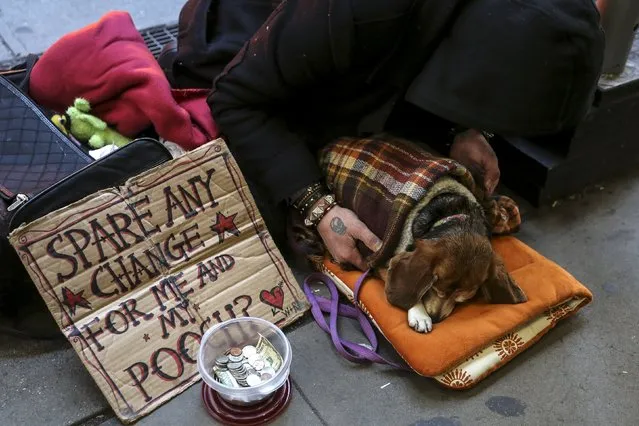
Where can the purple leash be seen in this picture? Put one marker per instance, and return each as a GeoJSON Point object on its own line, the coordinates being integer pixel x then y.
{"type": "Point", "coordinates": [321, 305]}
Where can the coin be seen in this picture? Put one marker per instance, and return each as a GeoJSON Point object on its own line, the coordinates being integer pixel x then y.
{"type": "Point", "coordinates": [233, 358]}
{"type": "Point", "coordinates": [252, 360]}
{"type": "Point", "coordinates": [249, 351]}
{"type": "Point", "coordinates": [226, 378]}
{"type": "Point", "coordinates": [265, 377]}
{"type": "Point", "coordinates": [236, 351]}
{"type": "Point", "coordinates": [258, 364]}
{"type": "Point", "coordinates": [221, 361]}
{"type": "Point", "coordinates": [268, 370]}
{"type": "Point", "coordinates": [234, 366]}
{"type": "Point", "coordinates": [253, 380]}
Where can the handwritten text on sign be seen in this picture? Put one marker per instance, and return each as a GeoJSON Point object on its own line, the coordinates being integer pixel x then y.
{"type": "Point", "coordinates": [134, 276]}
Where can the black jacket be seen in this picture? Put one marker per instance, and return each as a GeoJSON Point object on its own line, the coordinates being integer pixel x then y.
{"type": "Point", "coordinates": [318, 69]}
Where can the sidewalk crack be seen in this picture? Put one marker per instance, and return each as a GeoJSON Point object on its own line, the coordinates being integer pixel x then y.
{"type": "Point", "coordinates": [308, 401]}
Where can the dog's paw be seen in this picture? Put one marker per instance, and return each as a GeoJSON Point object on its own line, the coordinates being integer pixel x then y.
{"type": "Point", "coordinates": [419, 320]}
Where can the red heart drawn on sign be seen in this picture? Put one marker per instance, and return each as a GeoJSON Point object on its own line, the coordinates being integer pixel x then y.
{"type": "Point", "coordinates": [274, 298]}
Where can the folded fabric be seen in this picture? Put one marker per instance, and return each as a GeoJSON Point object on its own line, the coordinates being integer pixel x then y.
{"type": "Point", "coordinates": [478, 338]}
{"type": "Point", "coordinates": [385, 179]}
{"type": "Point", "coordinates": [109, 64]}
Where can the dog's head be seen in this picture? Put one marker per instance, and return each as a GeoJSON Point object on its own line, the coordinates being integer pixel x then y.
{"type": "Point", "coordinates": [449, 270]}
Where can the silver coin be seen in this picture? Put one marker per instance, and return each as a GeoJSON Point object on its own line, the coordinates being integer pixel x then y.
{"type": "Point", "coordinates": [233, 358]}
{"type": "Point", "coordinates": [258, 364]}
{"type": "Point", "coordinates": [234, 366]}
{"type": "Point", "coordinates": [249, 351]}
{"type": "Point", "coordinates": [268, 370]}
{"type": "Point", "coordinates": [222, 360]}
{"type": "Point", "coordinates": [253, 380]}
{"type": "Point", "coordinates": [238, 377]}
{"type": "Point", "coordinates": [255, 358]}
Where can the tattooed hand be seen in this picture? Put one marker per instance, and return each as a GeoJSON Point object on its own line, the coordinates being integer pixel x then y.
{"type": "Point", "coordinates": [340, 229]}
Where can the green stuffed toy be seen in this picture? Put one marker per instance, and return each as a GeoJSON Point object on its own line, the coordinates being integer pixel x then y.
{"type": "Point", "coordinates": [87, 128]}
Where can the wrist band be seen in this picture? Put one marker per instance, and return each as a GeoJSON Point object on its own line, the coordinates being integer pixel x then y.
{"type": "Point", "coordinates": [487, 135]}
{"type": "Point", "coordinates": [323, 206]}
{"type": "Point", "coordinates": [456, 130]}
{"type": "Point", "coordinates": [311, 201]}
{"type": "Point", "coordinates": [308, 193]}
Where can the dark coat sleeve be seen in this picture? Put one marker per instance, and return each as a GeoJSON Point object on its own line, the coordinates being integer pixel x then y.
{"type": "Point", "coordinates": [303, 44]}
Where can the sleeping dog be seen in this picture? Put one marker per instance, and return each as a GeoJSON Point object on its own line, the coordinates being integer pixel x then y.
{"type": "Point", "coordinates": [449, 260]}
{"type": "Point", "coordinates": [434, 223]}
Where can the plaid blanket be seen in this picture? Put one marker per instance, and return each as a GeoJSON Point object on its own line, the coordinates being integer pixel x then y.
{"type": "Point", "coordinates": [383, 178]}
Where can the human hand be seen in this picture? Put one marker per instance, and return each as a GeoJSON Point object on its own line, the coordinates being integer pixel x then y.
{"type": "Point", "coordinates": [473, 151]}
{"type": "Point", "coordinates": [340, 229]}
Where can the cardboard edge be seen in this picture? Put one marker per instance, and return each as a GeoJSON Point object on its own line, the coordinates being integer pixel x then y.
{"type": "Point", "coordinates": [117, 190]}
{"type": "Point", "coordinates": [114, 190]}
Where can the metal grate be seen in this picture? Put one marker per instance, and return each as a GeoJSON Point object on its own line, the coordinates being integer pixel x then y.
{"type": "Point", "coordinates": [157, 37]}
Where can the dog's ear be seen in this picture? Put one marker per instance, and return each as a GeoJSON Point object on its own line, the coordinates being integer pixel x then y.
{"type": "Point", "coordinates": [499, 287]}
{"type": "Point", "coordinates": [410, 275]}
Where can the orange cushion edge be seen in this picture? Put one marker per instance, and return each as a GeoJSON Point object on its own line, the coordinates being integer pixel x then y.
{"type": "Point", "coordinates": [392, 322]}
{"type": "Point", "coordinates": [538, 336]}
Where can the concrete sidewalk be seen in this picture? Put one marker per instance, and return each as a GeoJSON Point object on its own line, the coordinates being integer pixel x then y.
{"type": "Point", "coordinates": [584, 372]}
{"type": "Point", "coordinates": [31, 26]}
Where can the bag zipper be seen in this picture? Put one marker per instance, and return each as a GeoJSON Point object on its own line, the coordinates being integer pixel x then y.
{"type": "Point", "coordinates": [18, 201]}
{"type": "Point", "coordinates": [14, 200]}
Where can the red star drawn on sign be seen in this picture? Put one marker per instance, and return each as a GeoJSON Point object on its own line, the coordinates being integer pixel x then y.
{"type": "Point", "coordinates": [73, 300]}
{"type": "Point", "coordinates": [146, 337]}
{"type": "Point", "coordinates": [225, 224]}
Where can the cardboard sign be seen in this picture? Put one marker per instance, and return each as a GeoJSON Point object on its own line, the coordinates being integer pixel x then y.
{"type": "Point", "coordinates": [135, 275]}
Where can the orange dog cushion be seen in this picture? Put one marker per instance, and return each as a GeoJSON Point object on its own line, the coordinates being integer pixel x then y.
{"type": "Point", "coordinates": [478, 337]}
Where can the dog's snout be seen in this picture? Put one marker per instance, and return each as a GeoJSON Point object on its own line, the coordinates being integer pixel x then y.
{"type": "Point", "coordinates": [438, 308]}
{"type": "Point", "coordinates": [435, 317]}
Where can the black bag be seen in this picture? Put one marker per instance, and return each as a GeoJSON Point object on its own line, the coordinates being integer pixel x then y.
{"type": "Point", "coordinates": [42, 170]}
{"type": "Point", "coordinates": [20, 73]}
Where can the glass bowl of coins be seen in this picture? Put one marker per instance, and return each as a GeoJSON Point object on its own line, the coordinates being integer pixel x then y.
{"type": "Point", "coordinates": [245, 360]}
